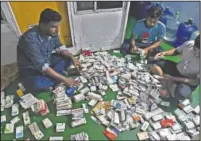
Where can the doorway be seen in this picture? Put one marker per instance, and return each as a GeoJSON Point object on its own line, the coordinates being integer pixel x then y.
{"type": "Point", "coordinates": [98, 25]}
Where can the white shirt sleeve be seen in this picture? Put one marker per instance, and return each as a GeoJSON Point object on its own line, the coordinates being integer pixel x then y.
{"type": "Point", "coordinates": [45, 67]}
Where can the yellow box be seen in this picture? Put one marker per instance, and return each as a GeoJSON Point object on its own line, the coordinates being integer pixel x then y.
{"type": "Point", "coordinates": [19, 92]}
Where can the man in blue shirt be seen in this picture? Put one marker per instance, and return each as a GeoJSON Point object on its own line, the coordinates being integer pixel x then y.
{"type": "Point", "coordinates": [147, 34]}
{"type": "Point", "coordinates": [40, 69]}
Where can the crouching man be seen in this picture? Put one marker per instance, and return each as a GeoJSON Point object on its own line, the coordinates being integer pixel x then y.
{"type": "Point", "coordinates": [40, 69]}
{"type": "Point", "coordinates": [180, 78]}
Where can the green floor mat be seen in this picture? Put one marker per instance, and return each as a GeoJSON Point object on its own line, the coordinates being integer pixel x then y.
{"type": "Point", "coordinates": [94, 130]}
{"type": "Point", "coordinates": [129, 27]}
{"type": "Point", "coordinates": [167, 47]}
{"type": "Point", "coordinates": [195, 97]}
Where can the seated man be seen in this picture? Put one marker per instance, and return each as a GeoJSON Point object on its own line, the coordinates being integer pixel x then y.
{"type": "Point", "coordinates": [147, 34]}
{"type": "Point", "coordinates": [183, 77]}
{"type": "Point", "coordinates": [40, 69]}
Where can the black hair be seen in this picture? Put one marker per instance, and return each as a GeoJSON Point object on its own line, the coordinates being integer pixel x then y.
{"type": "Point", "coordinates": [154, 12]}
{"type": "Point", "coordinates": [48, 15]}
{"type": "Point", "coordinates": [197, 42]}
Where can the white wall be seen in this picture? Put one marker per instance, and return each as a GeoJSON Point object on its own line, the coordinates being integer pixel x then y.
{"type": "Point", "coordinates": [9, 42]}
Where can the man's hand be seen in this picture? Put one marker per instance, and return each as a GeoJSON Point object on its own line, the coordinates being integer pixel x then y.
{"type": "Point", "coordinates": [189, 81]}
{"type": "Point", "coordinates": [172, 78]}
{"type": "Point", "coordinates": [159, 55]}
{"type": "Point", "coordinates": [169, 77]}
{"type": "Point", "coordinates": [77, 63]}
{"type": "Point", "coordinates": [134, 49]}
{"type": "Point", "coordinates": [70, 82]}
{"type": "Point", "coordinates": [192, 82]}
{"type": "Point", "coordinates": [146, 50]}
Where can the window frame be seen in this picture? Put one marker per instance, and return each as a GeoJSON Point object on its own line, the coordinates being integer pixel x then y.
{"type": "Point", "coordinates": [83, 11]}
{"type": "Point", "coordinates": [10, 18]}
{"type": "Point", "coordinates": [110, 9]}
{"type": "Point", "coordinates": [95, 10]}
{"type": "Point", "coordinates": [4, 21]}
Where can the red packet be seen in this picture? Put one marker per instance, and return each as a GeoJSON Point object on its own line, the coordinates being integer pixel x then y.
{"type": "Point", "coordinates": [87, 52]}
{"type": "Point", "coordinates": [167, 123]}
{"type": "Point", "coordinates": [44, 108]}
{"type": "Point", "coordinates": [110, 135]}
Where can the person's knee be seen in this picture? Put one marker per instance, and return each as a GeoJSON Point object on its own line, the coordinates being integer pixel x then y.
{"type": "Point", "coordinates": [37, 84]}
{"type": "Point", "coordinates": [67, 63]}
{"type": "Point", "coordinates": [182, 91]}
{"type": "Point", "coordinates": [63, 64]}
{"type": "Point", "coordinates": [61, 61]}
{"type": "Point", "coordinates": [155, 69]}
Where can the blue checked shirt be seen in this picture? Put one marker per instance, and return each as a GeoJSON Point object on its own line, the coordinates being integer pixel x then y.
{"type": "Point", "coordinates": [34, 50]}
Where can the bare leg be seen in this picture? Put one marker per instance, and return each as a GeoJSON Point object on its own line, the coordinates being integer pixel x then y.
{"type": "Point", "coordinates": [155, 69]}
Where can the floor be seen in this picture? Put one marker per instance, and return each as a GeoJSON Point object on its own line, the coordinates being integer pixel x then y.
{"type": "Point", "coordinates": [94, 130]}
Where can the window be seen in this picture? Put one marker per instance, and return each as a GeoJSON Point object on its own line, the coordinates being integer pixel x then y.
{"type": "Point", "coordinates": [81, 6]}
{"type": "Point", "coordinates": [109, 4]}
{"type": "Point", "coordinates": [99, 6]}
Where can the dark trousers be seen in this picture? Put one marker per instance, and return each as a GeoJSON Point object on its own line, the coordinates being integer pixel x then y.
{"type": "Point", "coordinates": [35, 81]}
{"type": "Point", "coordinates": [182, 90]}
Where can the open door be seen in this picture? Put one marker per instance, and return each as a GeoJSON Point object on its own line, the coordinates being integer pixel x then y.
{"type": "Point", "coordinates": [98, 25]}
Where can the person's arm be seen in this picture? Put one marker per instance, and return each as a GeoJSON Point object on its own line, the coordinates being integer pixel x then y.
{"type": "Point", "coordinates": [133, 40]}
{"type": "Point", "coordinates": [190, 81]}
{"type": "Point", "coordinates": [161, 34]}
{"type": "Point", "coordinates": [178, 50]}
{"type": "Point", "coordinates": [32, 51]}
{"type": "Point", "coordinates": [58, 44]}
{"type": "Point", "coordinates": [57, 47]}
{"type": "Point", "coordinates": [53, 74]}
{"type": "Point", "coordinates": [154, 45]}
{"type": "Point", "coordinates": [171, 52]}
{"type": "Point", "coordinates": [133, 46]}
{"type": "Point", "coordinates": [66, 53]}
{"type": "Point", "coordinates": [166, 53]}
{"type": "Point", "coordinates": [134, 36]}
{"type": "Point", "coordinates": [75, 61]}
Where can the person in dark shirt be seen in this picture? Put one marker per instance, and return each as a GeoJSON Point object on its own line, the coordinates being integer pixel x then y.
{"type": "Point", "coordinates": [179, 79]}
{"type": "Point", "coordinates": [39, 67]}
